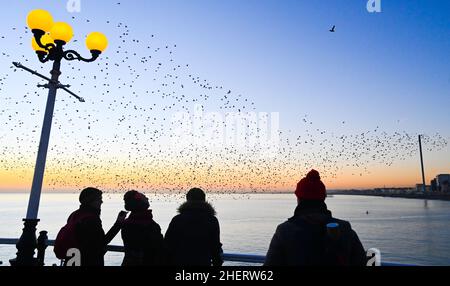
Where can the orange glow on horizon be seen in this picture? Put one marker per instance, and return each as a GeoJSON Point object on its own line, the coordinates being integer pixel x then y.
{"type": "Point", "coordinates": [155, 179]}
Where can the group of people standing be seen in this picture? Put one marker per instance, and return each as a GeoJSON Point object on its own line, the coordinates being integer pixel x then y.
{"type": "Point", "coordinates": [311, 237]}
{"type": "Point", "coordinates": [192, 238]}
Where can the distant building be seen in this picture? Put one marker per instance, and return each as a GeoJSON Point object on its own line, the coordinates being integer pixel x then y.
{"type": "Point", "coordinates": [434, 187]}
{"type": "Point", "coordinates": [442, 183]}
{"type": "Point", "coordinates": [445, 187]}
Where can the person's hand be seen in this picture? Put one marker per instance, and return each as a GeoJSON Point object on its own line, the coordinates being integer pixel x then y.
{"type": "Point", "coordinates": [121, 217]}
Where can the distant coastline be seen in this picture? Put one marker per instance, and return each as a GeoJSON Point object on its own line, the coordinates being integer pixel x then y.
{"type": "Point", "coordinates": [394, 194]}
{"type": "Point", "coordinates": [405, 193]}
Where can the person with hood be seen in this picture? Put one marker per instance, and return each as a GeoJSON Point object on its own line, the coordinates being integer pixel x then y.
{"type": "Point", "coordinates": [193, 236]}
{"type": "Point", "coordinates": [312, 236]}
{"type": "Point", "coordinates": [84, 230]}
{"type": "Point", "coordinates": [142, 237]}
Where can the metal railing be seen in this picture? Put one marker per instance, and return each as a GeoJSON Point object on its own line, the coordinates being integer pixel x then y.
{"type": "Point", "coordinates": [230, 257]}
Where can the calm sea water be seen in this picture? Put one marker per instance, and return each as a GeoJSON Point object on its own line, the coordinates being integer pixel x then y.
{"type": "Point", "coordinates": [405, 230]}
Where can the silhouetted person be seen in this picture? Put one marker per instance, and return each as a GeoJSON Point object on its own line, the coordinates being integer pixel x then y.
{"type": "Point", "coordinates": [142, 238]}
{"type": "Point", "coordinates": [84, 230]}
{"type": "Point", "coordinates": [312, 236]}
{"type": "Point", "coordinates": [193, 236]}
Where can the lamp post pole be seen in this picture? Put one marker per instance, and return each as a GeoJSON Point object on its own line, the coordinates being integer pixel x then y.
{"type": "Point", "coordinates": [33, 204]}
{"type": "Point", "coordinates": [27, 242]}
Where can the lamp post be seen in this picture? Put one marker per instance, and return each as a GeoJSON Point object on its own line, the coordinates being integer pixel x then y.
{"type": "Point", "coordinates": [49, 41]}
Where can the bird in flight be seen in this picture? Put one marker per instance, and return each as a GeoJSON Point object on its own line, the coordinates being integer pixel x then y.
{"type": "Point", "coordinates": [333, 29]}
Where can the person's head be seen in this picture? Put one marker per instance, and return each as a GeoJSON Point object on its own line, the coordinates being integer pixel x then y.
{"type": "Point", "coordinates": [311, 188]}
{"type": "Point", "coordinates": [91, 197]}
{"type": "Point", "coordinates": [135, 201]}
{"type": "Point", "coordinates": [196, 195]}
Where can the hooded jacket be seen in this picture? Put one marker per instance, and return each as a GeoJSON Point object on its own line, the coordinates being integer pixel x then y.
{"type": "Point", "coordinates": [303, 240]}
{"type": "Point", "coordinates": [193, 236]}
{"type": "Point", "coordinates": [142, 239]}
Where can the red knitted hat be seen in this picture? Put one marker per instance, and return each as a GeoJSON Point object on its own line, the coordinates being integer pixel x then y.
{"type": "Point", "coordinates": [311, 187]}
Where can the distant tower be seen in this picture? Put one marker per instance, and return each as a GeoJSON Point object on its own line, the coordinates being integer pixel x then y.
{"type": "Point", "coordinates": [421, 162]}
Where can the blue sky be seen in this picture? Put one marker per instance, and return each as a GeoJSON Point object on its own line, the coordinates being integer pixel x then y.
{"type": "Point", "coordinates": [388, 69]}
{"type": "Point", "coordinates": [397, 57]}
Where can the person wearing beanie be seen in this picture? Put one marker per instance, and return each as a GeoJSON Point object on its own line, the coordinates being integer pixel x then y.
{"type": "Point", "coordinates": [84, 230]}
{"type": "Point", "coordinates": [193, 236]}
{"type": "Point", "coordinates": [313, 236]}
{"type": "Point", "coordinates": [142, 237]}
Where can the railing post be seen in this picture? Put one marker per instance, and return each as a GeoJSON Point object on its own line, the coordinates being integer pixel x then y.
{"type": "Point", "coordinates": [42, 243]}
{"type": "Point", "coordinates": [26, 245]}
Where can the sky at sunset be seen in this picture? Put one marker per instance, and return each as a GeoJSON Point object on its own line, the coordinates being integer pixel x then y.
{"type": "Point", "coordinates": [232, 95]}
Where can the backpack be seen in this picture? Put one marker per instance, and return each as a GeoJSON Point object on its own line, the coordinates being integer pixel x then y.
{"type": "Point", "coordinates": [66, 238]}
{"type": "Point", "coordinates": [323, 249]}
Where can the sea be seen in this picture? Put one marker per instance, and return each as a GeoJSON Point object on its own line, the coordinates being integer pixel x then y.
{"type": "Point", "coordinates": [408, 231]}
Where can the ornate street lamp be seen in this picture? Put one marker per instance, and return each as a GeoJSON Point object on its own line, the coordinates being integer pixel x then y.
{"type": "Point", "coordinates": [49, 41]}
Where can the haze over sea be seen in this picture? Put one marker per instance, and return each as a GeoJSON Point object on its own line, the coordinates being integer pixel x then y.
{"type": "Point", "coordinates": [404, 230]}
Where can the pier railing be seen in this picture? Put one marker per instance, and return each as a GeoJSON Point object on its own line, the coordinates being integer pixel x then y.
{"type": "Point", "coordinates": [229, 257]}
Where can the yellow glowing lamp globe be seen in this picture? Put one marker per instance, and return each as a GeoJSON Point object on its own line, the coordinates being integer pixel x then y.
{"type": "Point", "coordinates": [96, 41]}
{"type": "Point", "coordinates": [40, 20]}
{"type": "Point", "coordinates": [45, 40]}
{"type": "Point", "coordinates": [61, 32]}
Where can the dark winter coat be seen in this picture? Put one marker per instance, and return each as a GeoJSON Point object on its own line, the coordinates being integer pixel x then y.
{"type": "Point", "coordinates": [143, 241]}
{"type": "Point", "coordinates": [193, 236]}
{"type": "Point", "coordinates": [303, 240]}
{"type": "Point", "coordinates": [91, 237]}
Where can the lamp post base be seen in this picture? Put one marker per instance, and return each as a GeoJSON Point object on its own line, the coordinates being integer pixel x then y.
{"type": "Point", "coordinates": [26, 245]}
